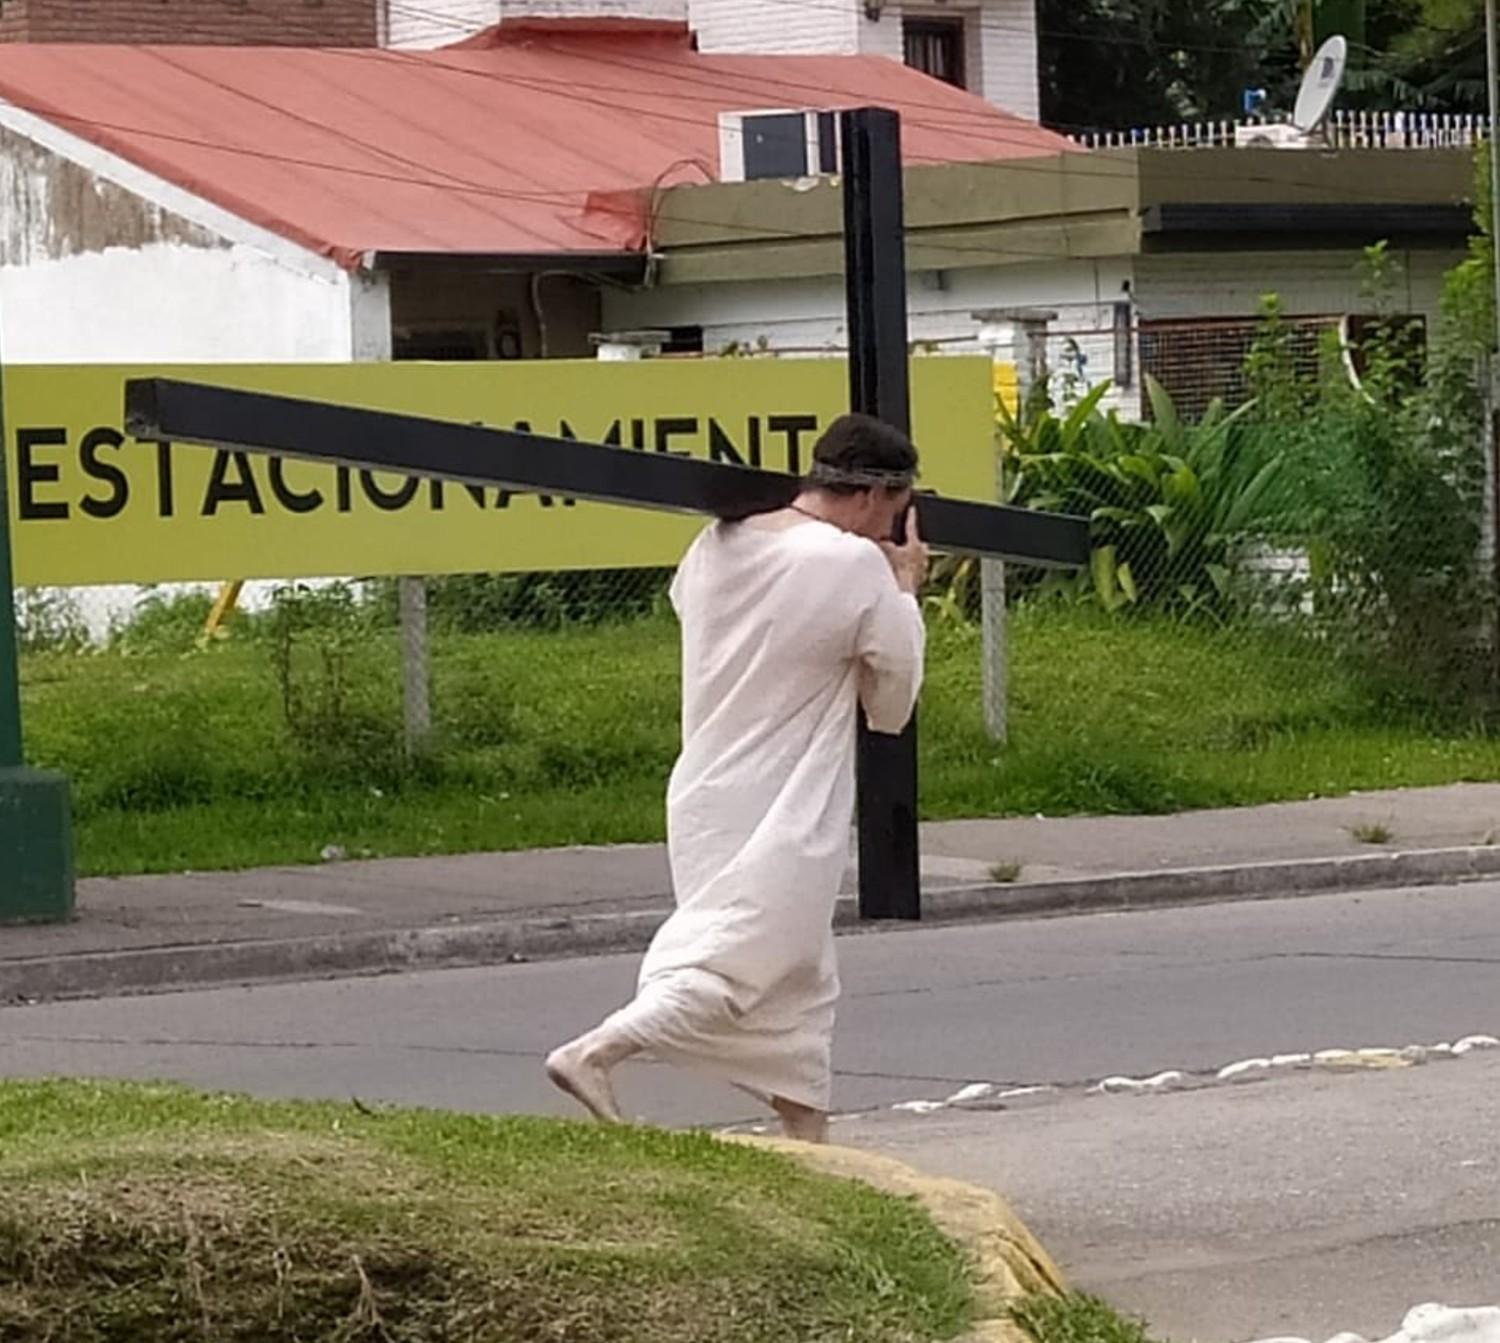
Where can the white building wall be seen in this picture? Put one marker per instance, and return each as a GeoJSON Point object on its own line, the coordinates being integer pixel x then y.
{"type": "Point", "coordinates": [882, 36]}
{"type": "Point", "coordinates": [807, 316]}
{"type": "Point", "coordinates": [102, 262]}
{"type": "Point", "coordinates": [1001, 58]}
{"type": "Point", "coordinates": [777, 27]}
{"type": "Point", "coordinates": [438, 23]}
{"type": "Point", "coordinates": [175, 303]}
{"type": "Point", "coordinates": [1322, 283]}
{"type": "Point", "coordinates": [171, 302]}
{"type": "Point", "coordinates": [1001, 55]}
{"type": "Point", "coordinates": [1007, 67]}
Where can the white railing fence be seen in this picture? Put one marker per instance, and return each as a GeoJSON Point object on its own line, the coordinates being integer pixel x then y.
{"type": "Point", "coordinates": [1343, 130]}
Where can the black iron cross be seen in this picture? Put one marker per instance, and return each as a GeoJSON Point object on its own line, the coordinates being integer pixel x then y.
{"type": "Point", "coordinates": [160, 408]}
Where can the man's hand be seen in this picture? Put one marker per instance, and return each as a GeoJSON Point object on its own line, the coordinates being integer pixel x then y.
{"type": "Point", "coordinates": [908, 561]}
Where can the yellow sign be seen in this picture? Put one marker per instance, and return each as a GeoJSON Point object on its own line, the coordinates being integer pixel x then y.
{"type": "Point", "coordinates": [89, 504]}
{"type": "Point", "coordinates": [1008, 388]}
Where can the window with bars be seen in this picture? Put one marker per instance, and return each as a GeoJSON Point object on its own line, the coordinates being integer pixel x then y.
{"type": "Point", "coordinates": [1199, 360]}
{"type": "Point", "coordinates": [935, 46]}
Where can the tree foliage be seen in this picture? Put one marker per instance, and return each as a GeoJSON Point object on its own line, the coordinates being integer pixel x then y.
{"type": "Point", "coordinates": [1111, 64]}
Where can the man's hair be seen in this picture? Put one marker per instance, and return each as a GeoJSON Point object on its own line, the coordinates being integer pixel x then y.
{"type": "Point", "coordinates": [859, 452]}
{"type": "Point", "coordinates": [856, 452]}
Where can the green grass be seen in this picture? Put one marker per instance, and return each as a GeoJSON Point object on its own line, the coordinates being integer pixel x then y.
{"type": "Point", "coordinates": [1076, 1319]}
{"type": "Point", "coordinates": [184, 760]}
{"type": "Point", "coordinates": [153, 1213]}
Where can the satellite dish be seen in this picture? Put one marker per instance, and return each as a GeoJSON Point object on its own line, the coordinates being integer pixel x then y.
{"type": "Point", "coordinates": [1320, 85]}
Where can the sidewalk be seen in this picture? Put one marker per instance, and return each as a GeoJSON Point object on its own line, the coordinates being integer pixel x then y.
{"type": "Point", "coordinates": [145, 933]}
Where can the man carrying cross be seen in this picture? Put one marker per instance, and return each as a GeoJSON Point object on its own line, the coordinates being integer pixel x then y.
{"type": "Point", "coordinates": [791, 621]}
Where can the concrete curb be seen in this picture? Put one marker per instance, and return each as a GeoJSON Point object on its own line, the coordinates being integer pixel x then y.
{"type": "Point", "coordinates": [1205, 885]}
{"type": "Point", "coordinates": [1009, 1262]}
{"type": "Point", "coordinates": [186, 966]}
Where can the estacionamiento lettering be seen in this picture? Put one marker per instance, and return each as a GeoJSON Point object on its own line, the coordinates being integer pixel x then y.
{"type": "Point", "coordinates": [115, 476]}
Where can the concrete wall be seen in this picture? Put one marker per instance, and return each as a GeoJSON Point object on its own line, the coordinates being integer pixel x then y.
{"type": "Point", "coordinates": [807, 316]}
{"type": "Point", "coordinates": [170, 301]}
{"type": "Point", "coordinates": [102, 261]}
{"type": "Point", "coordinates": [1311, 283]}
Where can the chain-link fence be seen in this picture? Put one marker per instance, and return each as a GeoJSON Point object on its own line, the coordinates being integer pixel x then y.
{"type": "Point", "coordinates": [1315, 490]}
{"type": "Point", "coordinates": [1290, 592]}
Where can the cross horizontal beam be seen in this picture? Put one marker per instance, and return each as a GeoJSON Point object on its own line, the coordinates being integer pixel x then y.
{"type": "Point", "coordinates": [188, 412]}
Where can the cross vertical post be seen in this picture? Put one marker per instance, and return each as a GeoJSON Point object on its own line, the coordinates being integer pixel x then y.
{"type": "Point", "coordinates": [875, 277]}
{"type": "Point", "coordinates": [36, 831]}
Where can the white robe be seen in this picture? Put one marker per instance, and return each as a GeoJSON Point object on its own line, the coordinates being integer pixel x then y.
{"type": "Point", "coordinates": [784, 633]}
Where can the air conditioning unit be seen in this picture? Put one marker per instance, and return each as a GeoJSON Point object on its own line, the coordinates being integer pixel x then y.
{"type": "Point", "coordinates": [1277, 135]}
{"type": "Point", "coordinates": [777, 144]}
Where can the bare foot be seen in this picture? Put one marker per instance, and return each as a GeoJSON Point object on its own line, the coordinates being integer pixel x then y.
{"type": "Point", "coordinates": [801, 1122]}
{"type": "Point", "coordinates": [571, 1070]}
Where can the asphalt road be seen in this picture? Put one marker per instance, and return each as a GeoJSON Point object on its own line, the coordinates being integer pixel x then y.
{"type": "Point", "coordinates": [1304, 1204]}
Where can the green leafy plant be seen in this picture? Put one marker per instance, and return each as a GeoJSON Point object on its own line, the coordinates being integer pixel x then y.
{"type": "Point", "coordinates": [1384, 474]}
{"type": "Point", "coordinates": [335, 712]}
{"type": "Point", "coordinates": [48, 620]}
{"type": "Point", "coordinates": [1168, 501]}
{"type": "Point", "coordinates": [163, 622]}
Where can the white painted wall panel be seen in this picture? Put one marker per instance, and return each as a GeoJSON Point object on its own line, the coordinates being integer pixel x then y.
{"type": "Point", "coordinates": [1001, 58]}
{"type": "Point", "coordinates": [437, 23]}
{"type": "Point", "coordinates": [1230, 284]}
{"type": "Point", "coordinates": [1007, 71]}
{"type": "Point", "coordinates": [785, 27]}
{"type": "Point", "coordinates": [171, 301]}
{"type": "Point", "coordinates": [807, 316]}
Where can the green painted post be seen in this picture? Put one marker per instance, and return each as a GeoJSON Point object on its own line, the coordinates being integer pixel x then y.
{"type": "Point", "coordinates": [36, 829]}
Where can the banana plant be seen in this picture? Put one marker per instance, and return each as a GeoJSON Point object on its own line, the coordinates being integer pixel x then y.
{"type": "Point", "coordinates": [1168, 501]}
{"type": "Point", "coordinates": [1308, 22]}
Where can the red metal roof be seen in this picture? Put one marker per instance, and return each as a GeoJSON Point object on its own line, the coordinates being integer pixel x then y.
{"type": "Point", "coordinates": [534, 139]}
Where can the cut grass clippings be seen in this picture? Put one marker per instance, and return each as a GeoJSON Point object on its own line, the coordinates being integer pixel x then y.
{"type": "Point", "coordinates": [156, 1214]}
{"type": "Point", "coordinates": [184, 760]}
{"type": "Point", "coordinates": [1371, 833]}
